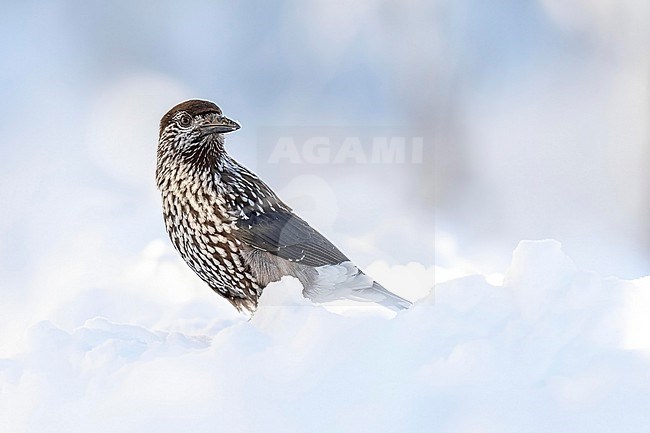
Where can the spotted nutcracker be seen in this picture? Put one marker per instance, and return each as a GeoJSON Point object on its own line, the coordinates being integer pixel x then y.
{"type": "Point", "coordinates": [232, 229]}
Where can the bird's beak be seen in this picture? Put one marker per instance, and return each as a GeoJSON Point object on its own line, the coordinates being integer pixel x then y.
{"type": "Point", "coordinates": [222, 125]}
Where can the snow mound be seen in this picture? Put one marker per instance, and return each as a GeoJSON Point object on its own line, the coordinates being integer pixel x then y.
{"type": "Point", "coordinates": [552, 348]}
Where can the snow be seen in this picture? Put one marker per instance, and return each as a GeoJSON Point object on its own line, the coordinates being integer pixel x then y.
{"type": "Point", "coordinates": [544, 347]}
{"type": "Point", "coordinates": [533, 127]}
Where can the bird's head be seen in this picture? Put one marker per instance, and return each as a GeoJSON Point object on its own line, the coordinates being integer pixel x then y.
{"type": "Point", "coordinates": [193, 127]}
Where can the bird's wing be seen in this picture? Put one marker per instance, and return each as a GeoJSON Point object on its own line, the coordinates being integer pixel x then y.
{"type": "Point", "coordinates": [287, 236]}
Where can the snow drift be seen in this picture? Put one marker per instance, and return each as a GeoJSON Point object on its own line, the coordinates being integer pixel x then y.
{"type": "Point", "coordinates": [553, 348]}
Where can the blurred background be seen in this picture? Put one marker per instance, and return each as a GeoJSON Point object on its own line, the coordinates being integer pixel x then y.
{"type": "Point", "coordinates": [533, 116]}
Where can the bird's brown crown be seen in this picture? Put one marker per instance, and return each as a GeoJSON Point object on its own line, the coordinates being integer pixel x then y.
{"type": "Point", "coordinates": [193, 107]}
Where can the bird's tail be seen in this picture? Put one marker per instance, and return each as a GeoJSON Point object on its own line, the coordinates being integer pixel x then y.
{"type": "Point", "coordinates": [382, 296]}
{"type": "Point", "coordinates": [346, 281]}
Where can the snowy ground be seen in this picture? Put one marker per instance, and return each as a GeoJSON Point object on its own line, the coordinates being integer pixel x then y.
{"type": "Point", "coordinates": [545, 347]}
{"type": "Point", "coordinates": [534, 118]}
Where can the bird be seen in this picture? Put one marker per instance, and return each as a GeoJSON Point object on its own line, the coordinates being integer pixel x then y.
{"type": "Point", "coordinates": [233, 231]}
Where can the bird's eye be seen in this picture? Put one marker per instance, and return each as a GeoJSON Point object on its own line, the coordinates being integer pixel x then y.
{"type": "Point", "coordinates": [185, 121]}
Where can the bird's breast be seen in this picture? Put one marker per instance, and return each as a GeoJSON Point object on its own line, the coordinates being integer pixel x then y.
{"type": "Point", "coordinates": [202, 229]}
{"type": "Point", "coordinates": [197, 216]}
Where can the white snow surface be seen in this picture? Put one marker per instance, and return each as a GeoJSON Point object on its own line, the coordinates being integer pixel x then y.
{"type": "Point", "coordinates": [546, 347]}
